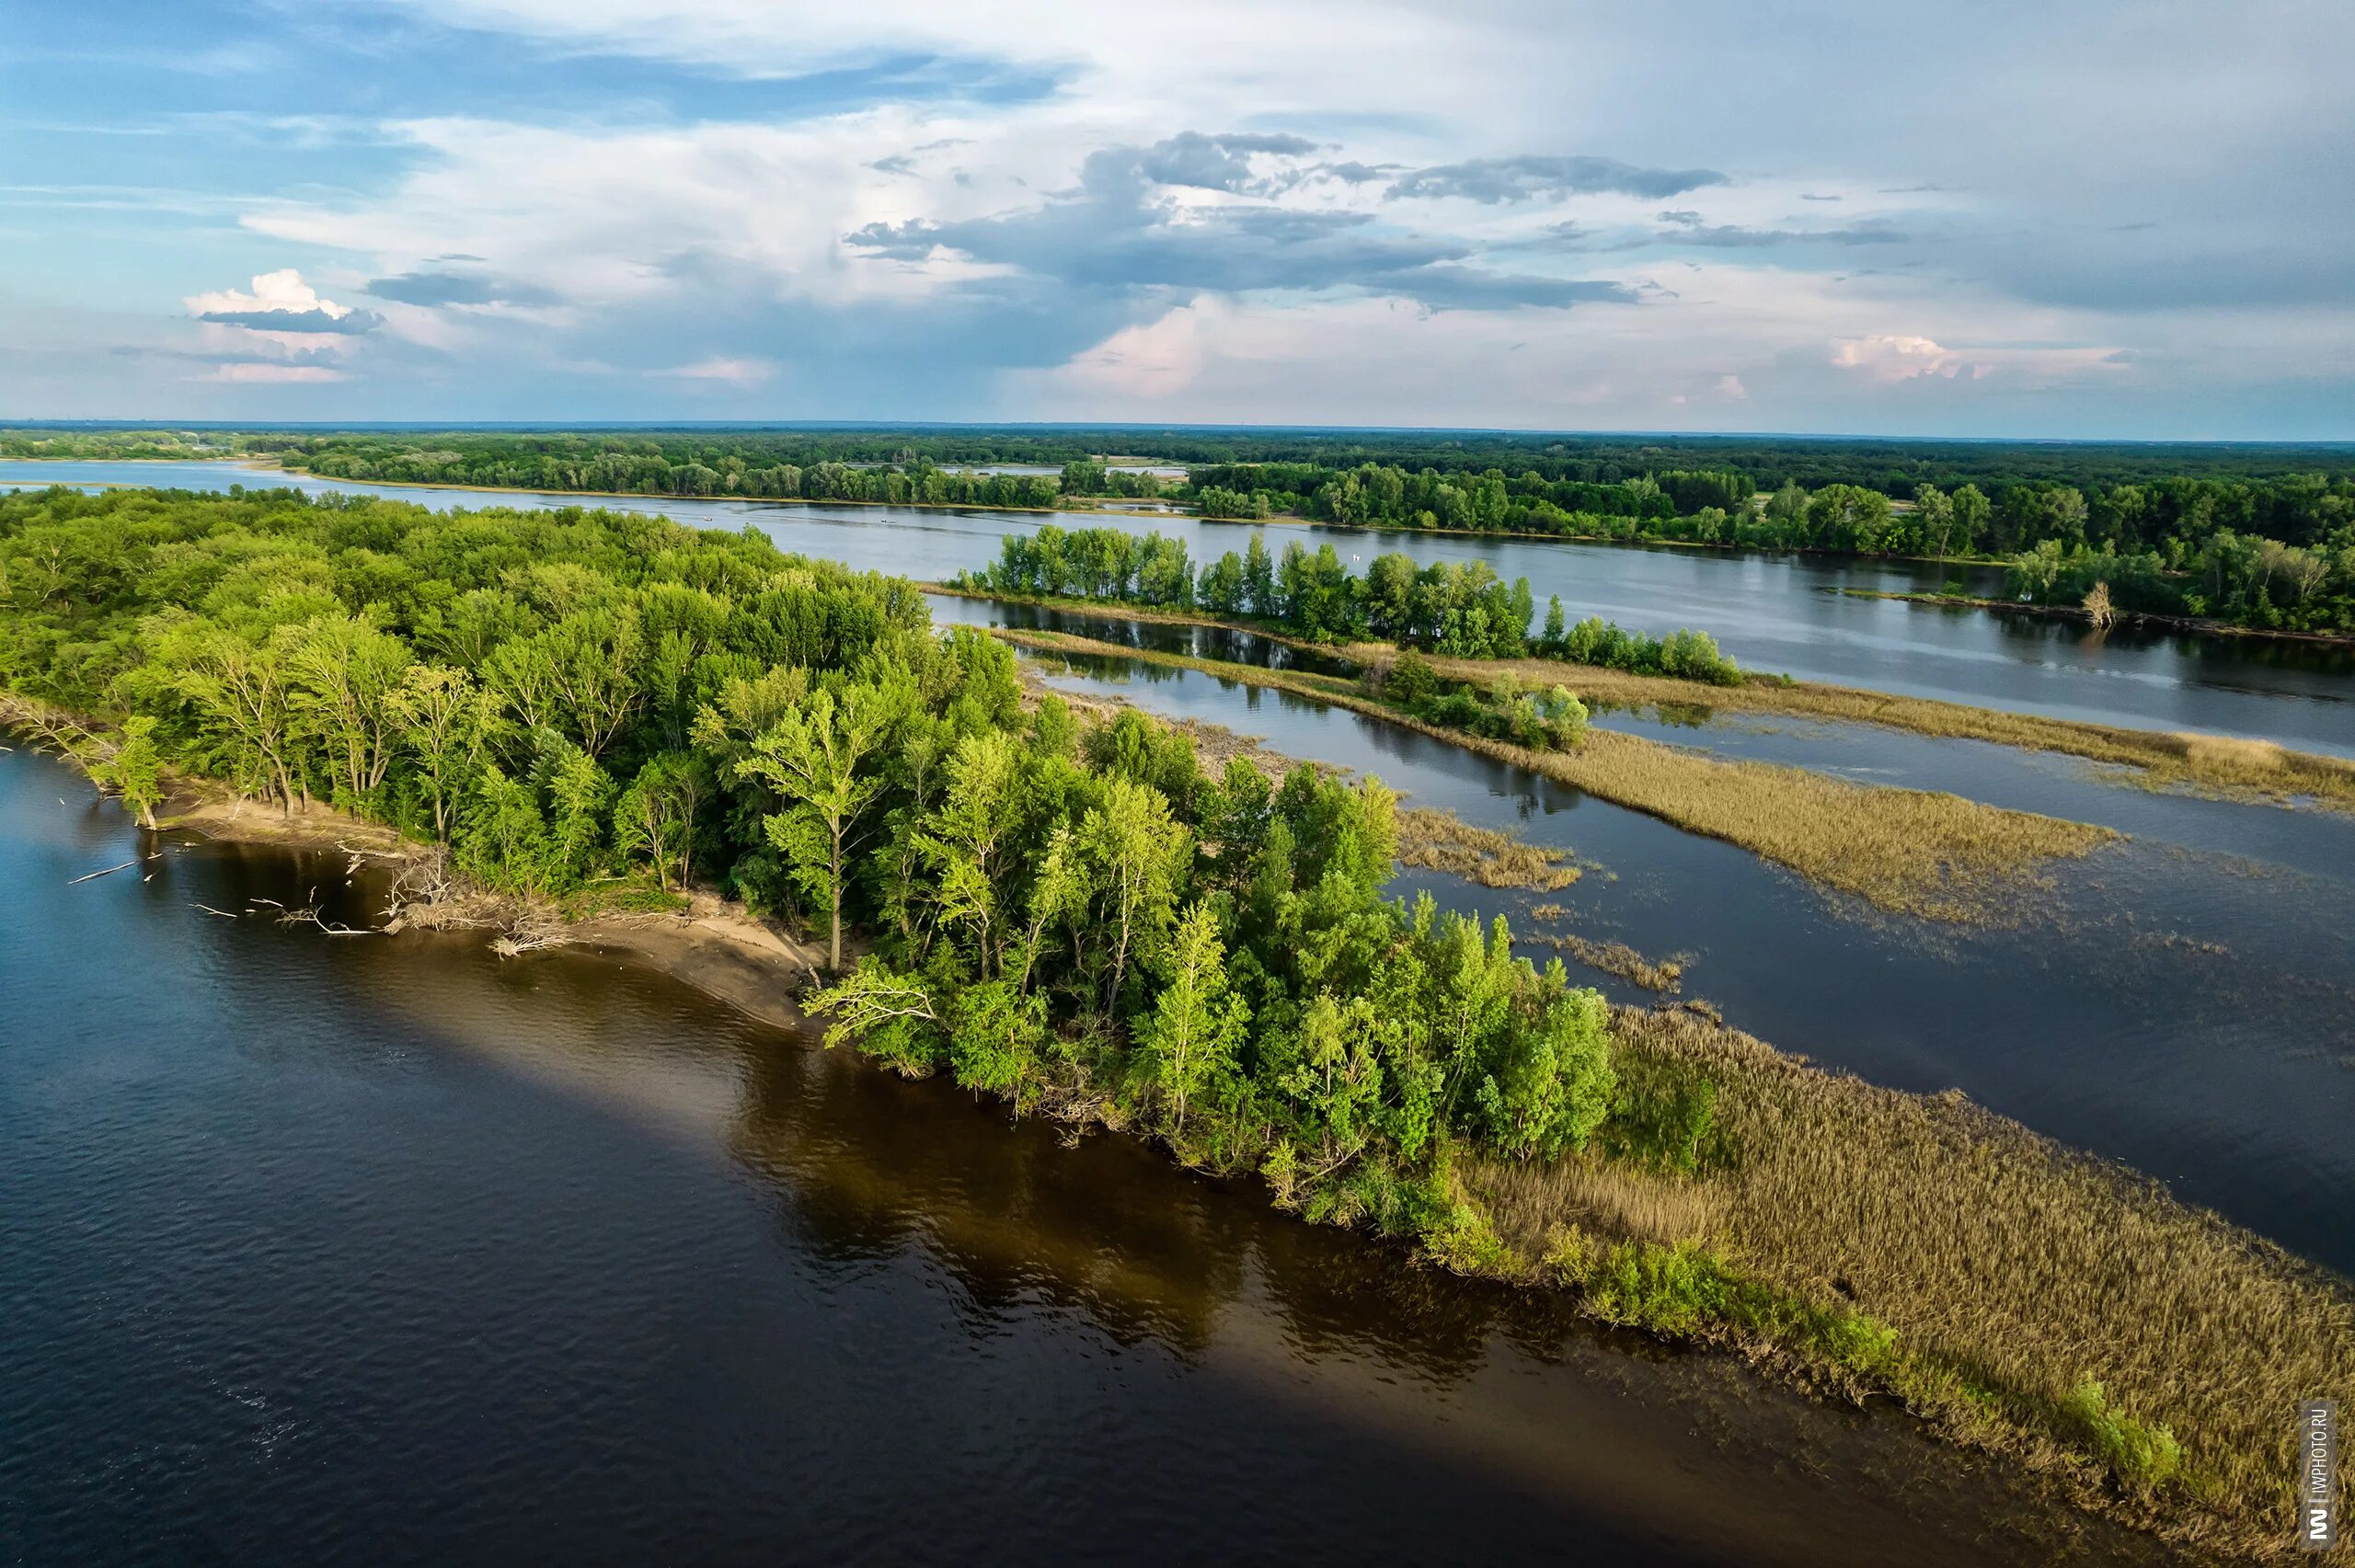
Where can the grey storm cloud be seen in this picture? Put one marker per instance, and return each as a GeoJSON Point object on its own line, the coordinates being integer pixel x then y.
{"type": "Point", "coordinates": [1093, 243]}
{"type": "Point", "coordinates": [435, 290]}
{"type": "Point", "coordinates": [1732, 237]}
{"type": "Point", "coordinates": [350, 324]}
{"type": "Point", "coordinates": [1191, 159]}
{"type": "Point", "coordinates": [1531, 175]}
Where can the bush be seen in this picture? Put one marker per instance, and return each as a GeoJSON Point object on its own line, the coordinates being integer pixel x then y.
{"type": "Point", "coordinates": [2141, 1455]}
{"type": "Point", "coordinates": [1410, 680]}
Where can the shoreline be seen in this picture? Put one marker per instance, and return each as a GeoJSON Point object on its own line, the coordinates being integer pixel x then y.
{"type": "Point", "coordinates": [2188, 626]}
{"type": "Point", "coordinates": [2183, 625]}
{"type": "Point", "coordinates": [718, 948]}
{"type": "Point", "coordinates": [1564, 1229]}
{"type": "Point", "coordinates": [2253, 772]}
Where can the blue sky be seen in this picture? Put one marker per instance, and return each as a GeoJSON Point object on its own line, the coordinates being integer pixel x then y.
{"type": "Point", "coordinates": [1990, 219]}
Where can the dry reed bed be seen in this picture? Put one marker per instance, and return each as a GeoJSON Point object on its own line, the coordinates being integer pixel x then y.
{"type": "Point", "coordinates": [2016, 1263]}
{"type": "Point", "coordinates": [1664, 975]}
{"type": "Point", "coordinates": [1909, 852]}
{"type": "Point", "coordinates": [2221, 764]}
{"type": "Point", "coordinates": [1440, 841]}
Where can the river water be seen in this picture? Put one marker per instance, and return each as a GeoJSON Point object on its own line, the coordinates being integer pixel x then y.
{"type": "Point", "coordinates": [380, 1249]}
{"type": "Point", "coordinates": [1773, 612]}
{"type": "Point", "coordinates": [2179, 1001]}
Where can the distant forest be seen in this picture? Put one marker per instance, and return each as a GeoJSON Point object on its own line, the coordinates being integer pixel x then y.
{"type": "Point", "coordinates": [2259, 535]}
{"type": "Point", "coordinates": [1890, 465]}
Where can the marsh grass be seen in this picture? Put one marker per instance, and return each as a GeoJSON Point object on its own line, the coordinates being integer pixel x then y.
{"type": "Point", "coordinates": [2039, 1300]}
{"type": "Point", "coordinates": [2220, 765]}
{"type": "Point", "coordinates": [2225, 766]}
{"type": "Point", "coordinates": [1440, 841]}
{"type": "Point", "coordinates": [1907, 852]}
{"type": "Point", "coordinates": [1663, 975]}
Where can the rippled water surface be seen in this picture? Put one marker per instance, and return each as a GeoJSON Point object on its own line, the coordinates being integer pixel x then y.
{"type": "Point", "coordinates": [380, 1249]}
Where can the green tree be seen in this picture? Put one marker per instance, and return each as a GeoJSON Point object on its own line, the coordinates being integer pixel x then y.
{"type": "Point", "coordinates": [135, 770]}
{"type": "Point", "coordinates": [1136, 854]}
{"type": "Point", "coordinates": [819, 758]}
{"type": "Point", "coordinates": [447, 722]}
{"type": "Point", "coordinates": [656, 815]}
{"type": "Point", "coordinates": [1189, 1039]}
{"type": "Point", "coordinates": [344, 676]}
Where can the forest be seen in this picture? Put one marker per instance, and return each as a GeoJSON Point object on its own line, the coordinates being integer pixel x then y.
{"type": "Point", "coordinates": [1458, 608]}
{"type": "Point", "coordinates": [600, 708]}
{"type": "Point", "coordinates": [1893, 466]}
{"type": "Point", "coordinates": [2254, 536]}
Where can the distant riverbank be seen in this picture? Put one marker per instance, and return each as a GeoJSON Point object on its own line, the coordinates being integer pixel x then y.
{"type": "Point", "coordinates": [2190, 624]}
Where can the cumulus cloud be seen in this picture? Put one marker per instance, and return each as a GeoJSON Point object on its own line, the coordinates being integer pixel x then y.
{"type": "Point", "coordinates": [257, 372]}
{"type": "Point", "coordinates": [1531, 176]}
{"type": "Point", "coordinates": [281, 302]}
{"type": "Point", "coordinates": [1358, 223]}
{"type": "Point", "coordinates": [1888, 358]}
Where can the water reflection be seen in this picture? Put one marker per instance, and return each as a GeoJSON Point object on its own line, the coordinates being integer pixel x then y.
{"type": "Point", "coordinates": [382, 1249]}
{"type": "Point", "coordinates": [2159, 1003]}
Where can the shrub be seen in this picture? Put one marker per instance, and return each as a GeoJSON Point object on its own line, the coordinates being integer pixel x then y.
{"type": "Point", "coordinates": [2141, 1455]}
{"type": "Point", "coordinates": [1410, 680]}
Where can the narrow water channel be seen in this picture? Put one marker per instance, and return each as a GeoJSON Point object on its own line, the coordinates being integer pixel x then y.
{"type": "Point", "coordinates": [2178, 1002]}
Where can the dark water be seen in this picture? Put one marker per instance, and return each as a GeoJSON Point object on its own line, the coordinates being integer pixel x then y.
{"type": "Point", "coordinates": [379, 1249]}
{"type": "Point", "coordinates": [1772, 613]}
{"type": "Point", "coordinates": [2180, 1002]}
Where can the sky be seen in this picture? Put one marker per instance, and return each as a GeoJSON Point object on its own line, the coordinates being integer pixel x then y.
{"type": "Point", "coordinates": [1977, 219]}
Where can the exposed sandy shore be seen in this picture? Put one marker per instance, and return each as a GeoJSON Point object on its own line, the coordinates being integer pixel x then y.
{"type": "Point", "coordinates": [718, 947]}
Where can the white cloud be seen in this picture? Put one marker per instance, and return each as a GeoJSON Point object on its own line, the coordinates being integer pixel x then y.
{"type": "Point", "coordinates": [253, 372]}
{"type": "Point", "coordinates": [1895, 356]}
{"type": "Point", "coordinates": [282, 291]}
{"type": "Point", "coordinates": [735, 372]}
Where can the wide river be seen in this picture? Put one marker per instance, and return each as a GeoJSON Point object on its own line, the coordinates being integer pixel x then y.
{"type": "Point", "coordinates": [2180, 1002]}
{"type": "Point", "coordinates": [382, 1251]}
{"type": "Point", "coordinates": [1773, 612]}
{"type": "Point", "coordinates": [340, 1250]}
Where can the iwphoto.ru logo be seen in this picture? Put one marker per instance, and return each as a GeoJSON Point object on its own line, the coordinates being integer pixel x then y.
{"type": "Point", "coordinates": [2318, 1475]}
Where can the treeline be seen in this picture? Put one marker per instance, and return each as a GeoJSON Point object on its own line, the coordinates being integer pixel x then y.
{"type": "Point", "coordinates": [617, 469]}
{"type": "Point", "coordinates": [2247, 581]}
{"type": "Point", "coordinates": [1712, 507]}
{"type": "Point", "coordinates": [2173, 530]}
{"type": "Point", "coordinates": [120, 445]}
{"type": "Point", "coordinates": [1059, 913]}
{"type": "Point", "coordinates": [1458, 608]}
{"type": "Point", "coordinates": [1894, 467]}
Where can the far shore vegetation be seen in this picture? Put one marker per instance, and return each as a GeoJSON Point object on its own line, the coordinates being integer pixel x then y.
{"type": "Point", "coordinates": [2261, 539]}
{"type": "Point", "coordinates": [1074, 917]}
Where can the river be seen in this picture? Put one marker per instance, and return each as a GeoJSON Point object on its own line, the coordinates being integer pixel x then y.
{"type": "Point", "coordinates": [380, 1249]}
{"type": "Point", "coordinates": [2179, 1001]}
{"type": "Point", "coordinates": [1773, 612]}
